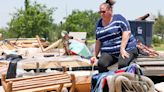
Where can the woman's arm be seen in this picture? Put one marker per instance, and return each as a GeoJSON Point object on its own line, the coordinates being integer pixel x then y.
{"type": "Point", "coordinates": [125, 38]}
{"type": "Point", "coordinates": [97, 48]}
{"type": "Point", "coordinates": [96, 51]}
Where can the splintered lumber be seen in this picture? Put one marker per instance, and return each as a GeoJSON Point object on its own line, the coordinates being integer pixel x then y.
{"type": "Point", "coordinates": [150, 61]}
{"type": "Point", "coordinates": [54, 62]}
{"type": "Point", "coordinates": [27, 42]}
{"type": "Point", "coordinates": [46, 82]}
{"type": "Point", "coordinates": [151, 66]}
{"type": "Point", "coordinates": [6, 46]}
{"type": "Point", "coordinates": [23, 40]}
{"type": "Point", "coordinates": [153, 71]}
{"type": "Point", "coordinates": [39, 42]}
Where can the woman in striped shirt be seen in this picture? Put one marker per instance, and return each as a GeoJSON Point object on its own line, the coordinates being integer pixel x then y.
{"type": "Point", "coordinates": [113, 39]}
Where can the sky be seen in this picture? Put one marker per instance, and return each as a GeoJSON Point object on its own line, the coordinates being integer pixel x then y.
{"type": "Point", "coordinates": [130, 9]}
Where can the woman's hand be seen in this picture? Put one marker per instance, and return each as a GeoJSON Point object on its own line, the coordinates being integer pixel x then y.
{"type": "Point", "coordinates": [93, 59]}
{"type": "Point", "coordinates": [124, 53]}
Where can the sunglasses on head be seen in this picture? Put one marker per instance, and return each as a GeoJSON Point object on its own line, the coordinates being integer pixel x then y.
{"type": "Point", "coordinates": [101, 12]}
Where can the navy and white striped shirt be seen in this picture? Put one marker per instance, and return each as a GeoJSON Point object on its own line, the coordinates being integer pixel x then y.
{"type": "Point", "coordinates": [110, 36]}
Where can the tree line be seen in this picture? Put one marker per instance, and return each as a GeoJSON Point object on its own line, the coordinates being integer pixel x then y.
{"type": "Point", "coordinates": [36, 19]}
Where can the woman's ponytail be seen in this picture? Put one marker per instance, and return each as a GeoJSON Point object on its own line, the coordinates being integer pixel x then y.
{"type": "Point", "coordinates": [110, 2]}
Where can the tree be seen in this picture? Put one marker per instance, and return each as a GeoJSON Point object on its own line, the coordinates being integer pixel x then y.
{"type": "Point", "coordinates": [56, 33]}
{"type": "Point", "coordinates": [158, 26]}
{"type": "Point", "coordinates": [4, 32]}
{"type": "Point", "coordinates": [81, 21]}
{"type": "Point", "coordinates": [34, 20]}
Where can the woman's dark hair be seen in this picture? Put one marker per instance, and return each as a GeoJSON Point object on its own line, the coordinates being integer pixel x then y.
{"type": "Point", "coordinates": [110, 2]}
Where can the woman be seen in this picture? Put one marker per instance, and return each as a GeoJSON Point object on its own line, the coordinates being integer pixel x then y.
{"type": "Point", "coordinates": [113, 39]}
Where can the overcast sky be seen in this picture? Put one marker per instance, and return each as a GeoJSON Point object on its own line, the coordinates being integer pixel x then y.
{"type": "Point", "coordinates": [131, 9]}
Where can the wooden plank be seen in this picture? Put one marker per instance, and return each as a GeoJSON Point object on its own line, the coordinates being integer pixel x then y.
{"type": "Point", "coordinates": [54, 82]}
{"type": "Point", "coordinates": [150, 59]}
{"type": "Point", "coordinates": [40, 85]}
{"type": "Point", "coordinates": [42, 89]}
{"type": "Point", "coordinates": [30, 81]}
{"type": "Point", "coordinates": [31, 77]}
{"type": "Point", "coordinates": [39, 80]}
{"type": "Point", "coordinates": [153, 71]}
{"type": "Point", "coordinates": [154, 63]}
{"type": "Point", "coordinates": [155, 68]}
{"type": "Point", "coordinates": [39, 42]}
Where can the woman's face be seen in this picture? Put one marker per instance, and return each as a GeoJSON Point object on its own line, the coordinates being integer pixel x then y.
{"type": "Point", "coordinates": [105, 11]}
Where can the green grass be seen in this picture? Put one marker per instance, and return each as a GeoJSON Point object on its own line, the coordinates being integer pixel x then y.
{"type": "Point", "coordinates": [159, 47]}
{"type": "Point", "coordinates": [91, 41]}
